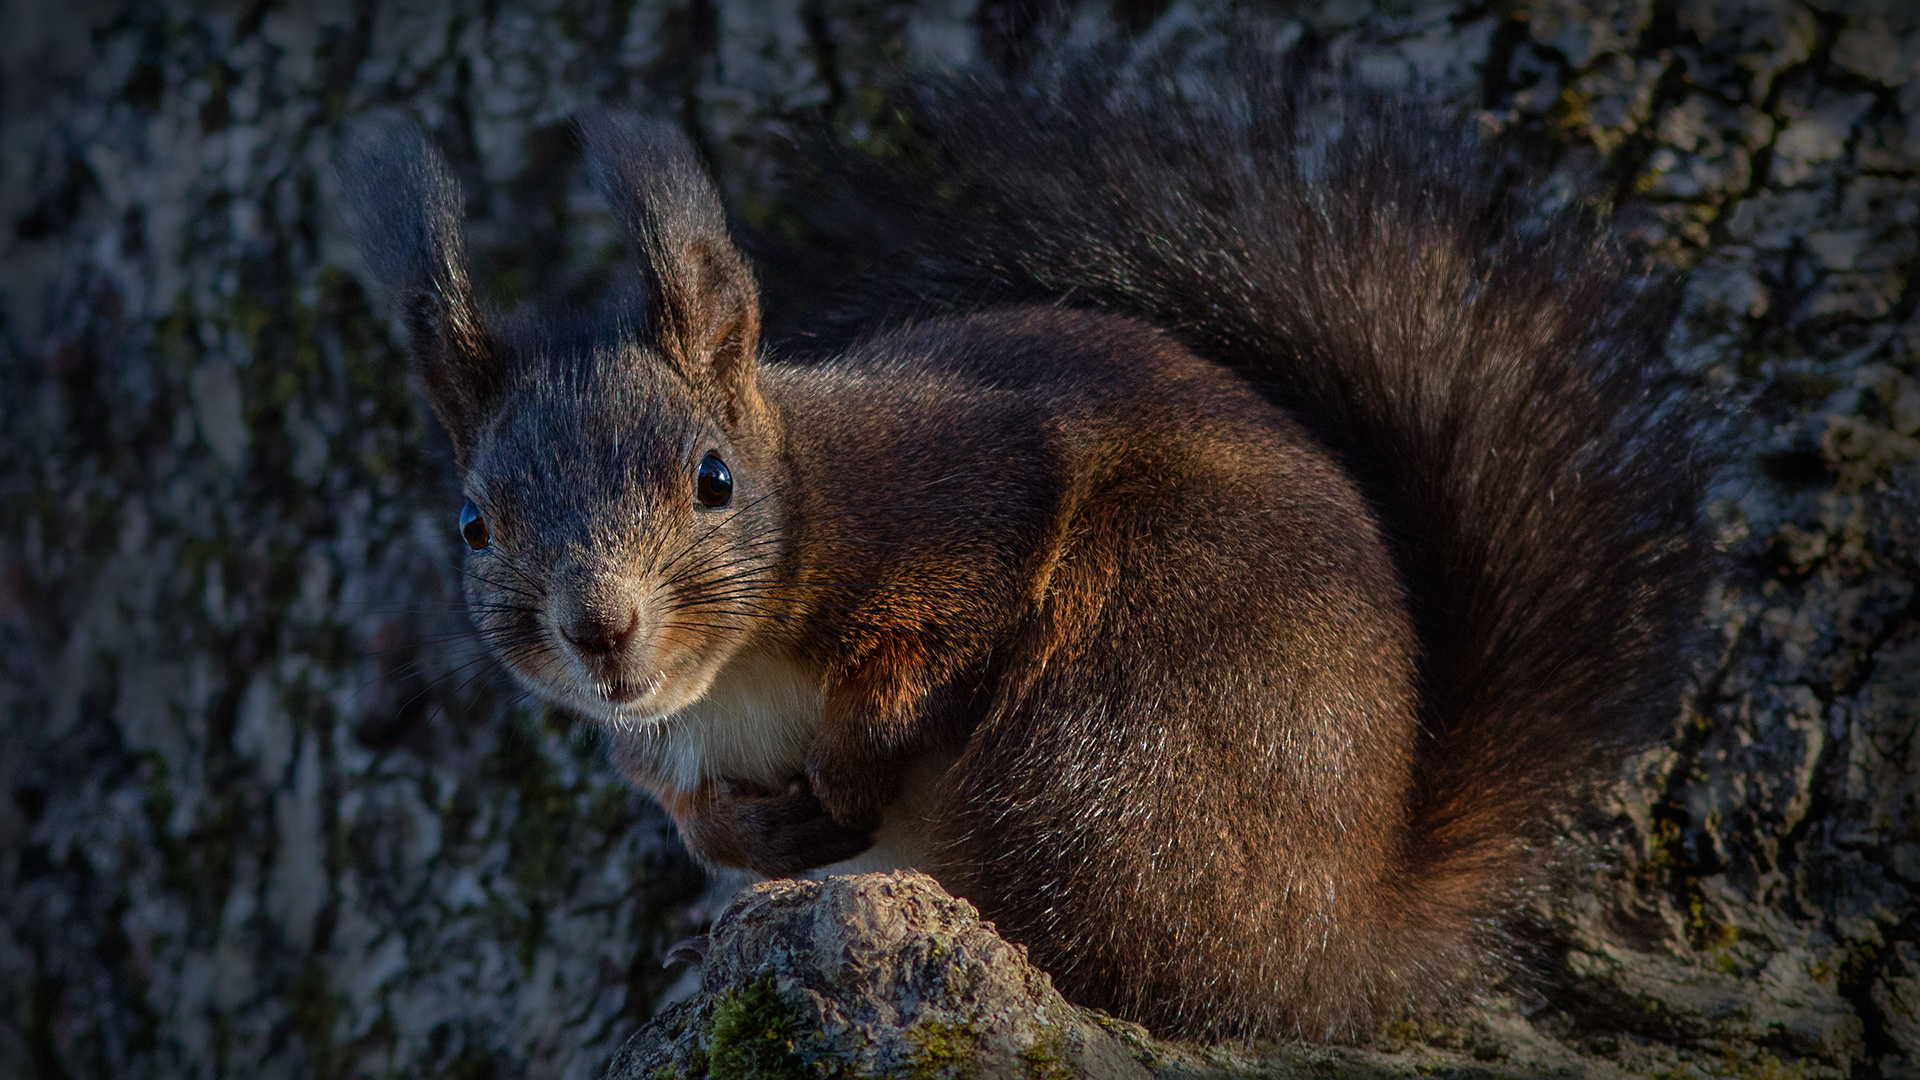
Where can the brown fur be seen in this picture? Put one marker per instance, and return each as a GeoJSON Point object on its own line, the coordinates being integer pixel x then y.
{"type": "Point", "coordinates": [1242, 739]}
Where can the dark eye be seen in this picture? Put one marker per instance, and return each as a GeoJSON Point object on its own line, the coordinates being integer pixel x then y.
{"type": "Point", "coordinates": [715, 485]}
{"type": "Point", "coordinates": [473, 528]}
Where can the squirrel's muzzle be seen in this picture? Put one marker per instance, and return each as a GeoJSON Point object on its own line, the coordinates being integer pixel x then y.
{"type": "Point", "coordinates": [599, 634]}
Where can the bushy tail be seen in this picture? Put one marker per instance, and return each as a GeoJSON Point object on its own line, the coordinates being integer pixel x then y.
{"type": "Point", "coordinates": [1485, 369]}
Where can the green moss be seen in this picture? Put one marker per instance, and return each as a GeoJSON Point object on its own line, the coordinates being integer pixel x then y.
{"type": "Point", "coordinates": [1044, 1061]}
{"type": "Point", "coordinates": [1715, 939]}
{"type": "Point", "coordinates": [1663, 850]}
{"type": "Point", "coordinates": [1761, 1066]}
{"type": "Point", "coordinates": [754, 1037]}
{"type": "Point", "coordinates": [1764, 1066]}
{"type": "Point", "coordinates": [1823, 972]}
{"type": "Point", "coordinates": [1398, 1029]}
{"type": "Point", "coordinates": [944, 1049]}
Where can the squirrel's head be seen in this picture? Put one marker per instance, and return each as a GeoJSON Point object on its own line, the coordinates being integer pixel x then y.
{"type": "Point", "coordinates": [623, 503]}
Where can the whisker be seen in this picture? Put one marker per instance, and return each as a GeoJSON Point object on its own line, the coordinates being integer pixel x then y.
{"type": "Point", "coordinates": [779, 532]}
{"type": "Point", "coordinates": [694, 542]}
{"type": "Point", "coordinates": [758, 610]}
{"type": "Point", "coordinates": [770, 590]}
{"type": "Point", "coordinates": [442, 677]}
{"type": "Point", "coordinates": [502, 586]}
{"type": "Point", "coordinates": [924, 627]}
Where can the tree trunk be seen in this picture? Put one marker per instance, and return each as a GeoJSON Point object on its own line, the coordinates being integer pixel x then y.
{"type": "Point", "coordinates": [270, 812]}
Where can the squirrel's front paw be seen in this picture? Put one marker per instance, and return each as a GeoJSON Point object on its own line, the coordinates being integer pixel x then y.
{"type": "Point", "coordinates": [854, 792]}
{"type": "Point", "coordinates": [777, 834]}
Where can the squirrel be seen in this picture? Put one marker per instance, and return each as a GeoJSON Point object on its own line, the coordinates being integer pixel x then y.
{"type": "Point", "coordinates": [1217, 550]}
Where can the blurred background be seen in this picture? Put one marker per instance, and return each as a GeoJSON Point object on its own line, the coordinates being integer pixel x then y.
{"type": "Point", "coordinates": [265, 809]}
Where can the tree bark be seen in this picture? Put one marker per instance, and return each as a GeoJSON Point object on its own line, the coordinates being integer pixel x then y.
{"type": "Point", "coordinates": [269, 812]}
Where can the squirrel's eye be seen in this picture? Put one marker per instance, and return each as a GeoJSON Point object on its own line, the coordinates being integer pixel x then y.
{"type": "Point", "coordinates": [473, 528]}
{"type": "Point", "coordinates": [715, 484]}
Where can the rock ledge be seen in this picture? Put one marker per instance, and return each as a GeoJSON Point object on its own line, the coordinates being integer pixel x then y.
{"type": "Point", "coordinates": [874, 974]}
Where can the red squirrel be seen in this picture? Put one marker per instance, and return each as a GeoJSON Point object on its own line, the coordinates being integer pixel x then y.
{"type": "Point", "coordinates": [1218, 550]}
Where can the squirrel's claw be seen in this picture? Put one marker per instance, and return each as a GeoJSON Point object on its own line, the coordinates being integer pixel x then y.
{"type": "Point", "coordinates": [688, 950]}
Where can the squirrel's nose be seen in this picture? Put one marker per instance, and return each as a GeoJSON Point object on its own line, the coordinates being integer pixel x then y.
{"type": "Point", "coordinates": [600, 634]}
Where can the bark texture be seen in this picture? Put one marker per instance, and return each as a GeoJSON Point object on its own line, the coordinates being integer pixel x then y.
{"type": "Point", "coordinates": [874, 975]}
{"type": "Point", "coordinates": [267, 812]}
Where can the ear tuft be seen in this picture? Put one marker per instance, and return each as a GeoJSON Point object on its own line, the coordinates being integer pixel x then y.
{"type": "Point", "coordinates": [703, 309]}
{"type": "Point", "coordinates": [408, 210]}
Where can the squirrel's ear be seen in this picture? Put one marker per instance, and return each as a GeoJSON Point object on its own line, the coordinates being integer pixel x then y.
{"type": "Point", "coordinates": [409, 211]}
{"type": "Point", "coordinates": [703, 309]}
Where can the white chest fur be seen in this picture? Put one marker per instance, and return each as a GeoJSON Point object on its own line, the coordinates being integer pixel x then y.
{"type": "Point", "coordinates": [757, 722]}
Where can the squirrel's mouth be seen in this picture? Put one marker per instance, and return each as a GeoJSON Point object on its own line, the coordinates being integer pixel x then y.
{"type": "Point", "coordinates": [621, 691]}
